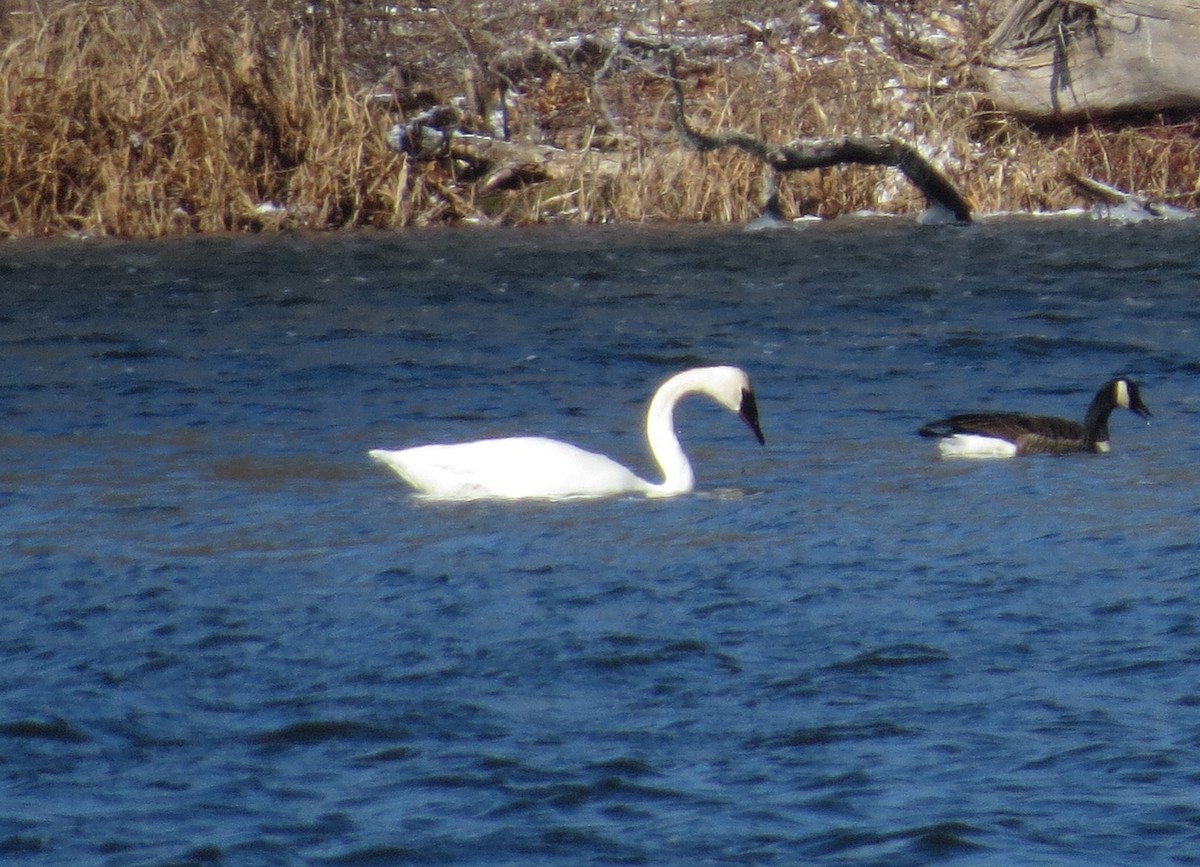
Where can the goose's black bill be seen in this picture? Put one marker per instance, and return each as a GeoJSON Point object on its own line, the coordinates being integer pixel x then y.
{"type": "Point", "coordinates": [1135, 402]}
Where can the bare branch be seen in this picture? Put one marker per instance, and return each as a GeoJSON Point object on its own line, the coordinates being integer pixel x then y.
{"type": "Point", "coordinates": [820, 153]}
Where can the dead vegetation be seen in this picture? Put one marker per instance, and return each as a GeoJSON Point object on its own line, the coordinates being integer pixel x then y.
{"type": "Point", "coordinates": [143, 118]}
{"type": "Point", "coordinates": [117, 120]}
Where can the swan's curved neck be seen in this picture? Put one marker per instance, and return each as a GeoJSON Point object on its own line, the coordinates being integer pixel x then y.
{"type": "Point", "coordinates": [678, 477]}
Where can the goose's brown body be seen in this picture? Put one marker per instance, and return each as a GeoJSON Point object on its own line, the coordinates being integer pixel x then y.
{"type": "Point", "coordinates": [1013, 434]}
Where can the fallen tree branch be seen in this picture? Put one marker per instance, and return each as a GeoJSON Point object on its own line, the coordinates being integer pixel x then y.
{"type": "Point", "coordinates": [1115, 203]}
{"type": "Point", "coordinates": [822, 153]}
{"type": "Point", "coordinates": [507, 164]}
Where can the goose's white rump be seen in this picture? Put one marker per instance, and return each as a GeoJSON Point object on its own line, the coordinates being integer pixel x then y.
{"type": "Point", "coordinates": [537, 467]}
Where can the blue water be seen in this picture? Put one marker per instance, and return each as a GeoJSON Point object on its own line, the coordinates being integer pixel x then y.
{"type": "Point", "coordinates": [227, 637]}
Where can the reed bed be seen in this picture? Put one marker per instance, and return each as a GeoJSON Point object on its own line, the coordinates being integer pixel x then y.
{"type": "Point", "coordinates": [110, 123]}
{"type": "Point", "coordinates": [137, 118]}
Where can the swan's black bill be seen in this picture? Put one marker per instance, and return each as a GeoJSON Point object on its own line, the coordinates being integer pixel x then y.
{"type": "Point", "coordinates": [748, 412]}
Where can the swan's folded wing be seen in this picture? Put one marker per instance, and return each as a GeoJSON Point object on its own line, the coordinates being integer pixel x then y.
{"type": "Point", "coordinates": [509, 468]}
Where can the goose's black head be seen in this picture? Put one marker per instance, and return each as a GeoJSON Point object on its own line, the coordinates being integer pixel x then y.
{"type": "Point", "coordinates": [1119, 393]}
{"type": "Point", "coordinates": [1125, 394]}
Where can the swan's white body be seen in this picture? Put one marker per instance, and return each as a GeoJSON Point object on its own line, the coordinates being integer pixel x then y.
{"type": "Point", "coordinates": [537, 467]}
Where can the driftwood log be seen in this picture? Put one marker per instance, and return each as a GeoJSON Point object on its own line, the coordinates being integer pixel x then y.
{"type": "Point", "coordinates": [1064, 60]}
{"type": "Point", "coordinates": [495, 163]}
{"type": "Point", "coordinates": [821, 153]}
{"type": "Point", "coordinates": [1115, 204]}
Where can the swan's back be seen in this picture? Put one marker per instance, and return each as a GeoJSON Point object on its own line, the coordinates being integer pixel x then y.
{"type": "Point", "coordinates": [510, 468]}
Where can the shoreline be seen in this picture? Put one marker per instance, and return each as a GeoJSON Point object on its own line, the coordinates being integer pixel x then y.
{"type": "Point", "coordinates": [129, 122]}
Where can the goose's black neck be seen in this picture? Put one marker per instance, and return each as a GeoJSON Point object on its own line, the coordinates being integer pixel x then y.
{"type": "Point", "coordinates": [1095, 423]}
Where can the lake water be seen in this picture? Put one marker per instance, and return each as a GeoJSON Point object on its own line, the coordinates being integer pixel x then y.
{"type": "Point", "coordinates": [228, 637]}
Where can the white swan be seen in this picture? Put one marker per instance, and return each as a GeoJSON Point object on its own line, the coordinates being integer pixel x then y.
{"type": "Point", "coordinates": [537, 467]}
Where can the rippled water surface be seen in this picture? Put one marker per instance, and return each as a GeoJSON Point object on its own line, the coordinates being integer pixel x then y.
{"type": "Point", "coordinates": [227, 637]}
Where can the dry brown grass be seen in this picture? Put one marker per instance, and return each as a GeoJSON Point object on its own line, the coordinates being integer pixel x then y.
{"type": "Point", "coordinates": [111, 124]}
{"type": "Point", "coordinates": [143, 118]}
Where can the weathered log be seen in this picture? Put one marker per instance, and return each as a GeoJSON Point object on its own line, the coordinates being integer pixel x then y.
{"type": "Point", "coordinates": [507, 164]}
{"type": "Point", "coordinates": [500, 163]}
{"type": "Point", "coordinates": [496, 163]}
{"type": "Point", "coordinates": [805, 154]}
{"type": "Point", "coordinates": [1115, 204]}
{"type": "Point", "coordinates": [1062, 60]}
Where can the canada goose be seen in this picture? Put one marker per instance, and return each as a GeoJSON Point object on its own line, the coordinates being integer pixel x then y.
{"type": "Point", "coordinates": [1011, 434]}
{"type": "Point", "coordinates": [537, 467]}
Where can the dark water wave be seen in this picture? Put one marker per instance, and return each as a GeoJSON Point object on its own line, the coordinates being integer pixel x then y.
{"type": "Point", "coordinates": [228, 637]}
